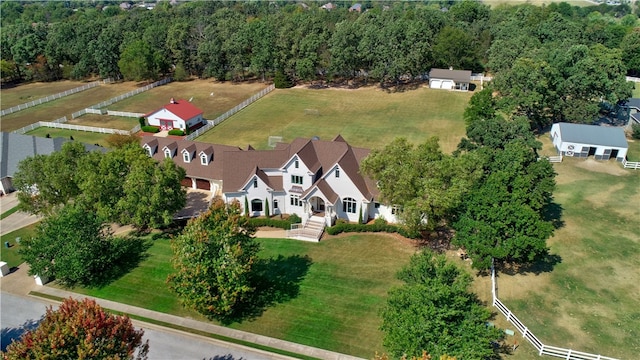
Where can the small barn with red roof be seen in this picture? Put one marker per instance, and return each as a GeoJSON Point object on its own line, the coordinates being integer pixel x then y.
{"type": "Point", "coordinates": [177, 114]}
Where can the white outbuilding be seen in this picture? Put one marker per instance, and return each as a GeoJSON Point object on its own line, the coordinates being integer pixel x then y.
{"type": "Point", "coordinates": [578, 140]}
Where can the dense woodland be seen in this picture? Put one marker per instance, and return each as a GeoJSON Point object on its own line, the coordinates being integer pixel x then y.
{"type": "Point", "coordinates": [551, 62]}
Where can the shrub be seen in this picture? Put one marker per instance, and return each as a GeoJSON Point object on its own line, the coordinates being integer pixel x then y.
{"type": "Point", "coordinates": [294, 219]}
{"type": "Point", "coordinates": [176, 132]}
{"type": "Point", "coordinates": [635, 131]}
{"type": "Point", "coordinates": [277, 223]}
{"type": "Point", "coordinates": [142, 122]}
{"type": "Point", "coordinates": [281, 80]}
{"type": "Point", "coordinates": [377, 226]}
{"type": "Point", "coordinates": [150, 129]}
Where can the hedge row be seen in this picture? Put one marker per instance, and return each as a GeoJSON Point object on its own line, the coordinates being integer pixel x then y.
{"type": "Point", "coordinates": [177, 132]}
{"type": "Point", "coordinates": [150, 129]}
{"type": "Point", "coordinates": [277, 223]}
{"type": "Point", "coordinates": [375, 227]}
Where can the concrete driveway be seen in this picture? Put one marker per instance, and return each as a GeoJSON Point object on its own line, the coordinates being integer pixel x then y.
{"type": "Point", "coordinates": [16, 220]}
{"type": "Point", "coordinates": [198, 201]}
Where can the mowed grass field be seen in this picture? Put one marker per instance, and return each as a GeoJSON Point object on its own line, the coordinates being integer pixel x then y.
{"type": "Point", "coordinates": [64, 106]}
{"type": "Point", "coordinates": [82, 136]}
{"type": "Point", "coordinates": [589, 301]}
{"type": "Point", "coordinates": [23, 93]}
{"type": "Point", "coordinates": [367, 117]}
{"type": "Point", "coordinates": [105, 121]}
{"type": "Point", "coordinates": [225, 96]}
{"type": "Point", "coordinates": [334, 304]}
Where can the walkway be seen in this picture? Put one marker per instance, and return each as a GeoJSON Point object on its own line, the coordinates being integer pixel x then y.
{"type": "Point", "coordinates": [16, 220]}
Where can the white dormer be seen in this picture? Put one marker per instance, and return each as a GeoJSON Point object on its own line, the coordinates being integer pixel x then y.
{"type": "Point", "coordinates": [204, 159]}
{"type": "Point", "coordinates": [167, 153]}
{"type": "Point", "coordinates": [148, 149]}
{"type": "Point", "coordinates": [206, 156]}
{"type": "Point", "coordinates": [186, 156]}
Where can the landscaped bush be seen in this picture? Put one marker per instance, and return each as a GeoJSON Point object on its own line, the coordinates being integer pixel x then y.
{"type": "Point", "coordinates": [277, 223]}
{"type": "Point", "coordinates": [150, 129]}
{"type": "Point", "coordinates": [377, 226]}
{"type": "Point", "coordinates": [294, 219]}
{"type": "Point", "coordinates": [281, 80]}
{"type": "Point", "coordinates": [635, 131]}
{"type": "Point", "coordinates": [142, 122]}
{"type": "Point", "coordinates": [176, 132]}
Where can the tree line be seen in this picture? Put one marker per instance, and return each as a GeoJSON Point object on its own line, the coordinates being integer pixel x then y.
{"type": "Point", "coordinates": [387, 42]}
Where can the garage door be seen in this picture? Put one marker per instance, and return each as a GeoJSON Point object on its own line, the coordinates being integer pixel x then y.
{"type": "Point", "coordinates": [203, 184]}
{"type": "Point", "coordinates": [186, 182]}
{"type": "Point", "coordinates": [435, 84]}
{"type": "Point", "coordinates": [447, 84]}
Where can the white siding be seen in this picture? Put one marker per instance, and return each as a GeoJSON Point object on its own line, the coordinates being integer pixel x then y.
{"type": "Point", "coordinates": [345, 188]}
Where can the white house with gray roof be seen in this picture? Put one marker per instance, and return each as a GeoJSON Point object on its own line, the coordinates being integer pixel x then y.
{"type": "Point", "coordinates": [16, 147]}
{"type": "Point", "coordinates": [449, 79]}
{"type": "Point", "coordinates": [579, 140]}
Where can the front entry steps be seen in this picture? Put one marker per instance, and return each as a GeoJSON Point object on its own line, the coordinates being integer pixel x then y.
{"type": "Point", "coordinates": [311, 230]}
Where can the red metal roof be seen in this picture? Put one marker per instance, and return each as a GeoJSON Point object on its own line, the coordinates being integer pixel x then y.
{"type": "Point", "coordinates": [182, 108]}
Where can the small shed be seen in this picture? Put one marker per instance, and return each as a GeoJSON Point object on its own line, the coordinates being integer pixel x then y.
{"type": "Point", "coordinates": [579, 140]}
{"type": "Point", "coordinates": [449, 79]}
{"type": "Point", "coordinates": [177, 114]}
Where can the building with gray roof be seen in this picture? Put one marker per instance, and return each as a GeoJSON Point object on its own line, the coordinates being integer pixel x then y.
{"type": "Point", "coordinates": [579, 140]}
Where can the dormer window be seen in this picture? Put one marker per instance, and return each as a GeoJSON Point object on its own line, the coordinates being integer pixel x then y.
{"type": "Point", "coordinates": [203, 159]}
{"type": "Point", "coordinates": [148, 149]}
{"type": "Point", "coordinates": [255, 183]}
{"type": "Point", "coordinates": [167, 153]}
{"type": "Point", "coordinates": [186, 157]}
{"type": "Point", "coordinates": [296, 164]}
{"type": "Point", "coordinates": [337, 172]}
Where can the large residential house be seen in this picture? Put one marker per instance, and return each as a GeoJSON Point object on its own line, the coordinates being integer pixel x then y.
{"type": "Point", "coordinates": [315, 179]}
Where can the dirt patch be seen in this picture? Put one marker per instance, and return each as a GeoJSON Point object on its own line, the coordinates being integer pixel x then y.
{"type": "Point", "coordinates": [607, 167]}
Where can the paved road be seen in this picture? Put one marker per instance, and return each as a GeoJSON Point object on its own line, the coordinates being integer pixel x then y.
{"type": "Point", "coordinates": [18, 312]}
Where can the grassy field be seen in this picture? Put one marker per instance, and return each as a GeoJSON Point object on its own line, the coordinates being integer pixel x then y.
{"type": "Point", "coordinates": [336, 289]}
{"type": "Point", "coordinates": [225, 96]}
{"type": "Point", "coordinates": [10, 255]}
{"type": "Point", "coordinates": [64, 106]}
{"type": "Point", "coordinates": [589, 301]}
{"type": "Point", "coordinates": [82, 136]}
{"type": "Point", "coordinates": [23, 93]}
{"type": "Point", "coordinates": [105, 121]}
{"type": "Point", "coordinates": [367, 117]}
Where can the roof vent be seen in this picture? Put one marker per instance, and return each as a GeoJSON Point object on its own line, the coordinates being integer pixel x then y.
{"type": "Point", "coordinates": [315, 138]}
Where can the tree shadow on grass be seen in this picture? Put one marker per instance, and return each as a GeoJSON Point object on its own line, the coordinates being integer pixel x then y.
{"type": "Point", "coordinates": [553, 212]}
{"type": "Point", "coordinates": [543, 265]}
{"type": "Point", "coordinates": [276, 280]}
{"type": "Point", "coordinates": [127, 253]}
{"type": "Point", "coordinates": [8, 335]}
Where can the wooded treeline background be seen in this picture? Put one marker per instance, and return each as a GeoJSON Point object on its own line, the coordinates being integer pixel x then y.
{"type": "Point", "coordinates": [551, 63]}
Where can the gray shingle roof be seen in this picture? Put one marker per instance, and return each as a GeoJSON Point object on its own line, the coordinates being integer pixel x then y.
{"type": "Point", "coordinates": [593, 134]}
{"type": "Point", "coordinates": [455, 75]}
{"type": "Point", "coordinates": [16, 147]}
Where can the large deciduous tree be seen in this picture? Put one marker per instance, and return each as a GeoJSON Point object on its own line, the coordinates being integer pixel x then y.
{"type": "Point", "coordinates": [435, 312]}
{"type": "Point", "coordinates": [80, 329]}
{"type": "Point", "coordinates": [426, 183]}
{"type": "Point", "coordinates": [72, 246]}
{"type": "Point", "coordinates": [213, 259]}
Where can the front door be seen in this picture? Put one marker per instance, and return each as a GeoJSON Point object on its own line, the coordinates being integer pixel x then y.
{"type": "Point", "coordinates": [166, 124]}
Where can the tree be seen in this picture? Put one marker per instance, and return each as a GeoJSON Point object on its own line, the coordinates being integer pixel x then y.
{"type": "Point", "coordinates": [630, 47]}
{"type": "Point", "coordinates": [72, 246]}
{"type": "Point", "coordinates": [213, 258]}
{"type": "Point", "coordinates": [502, 216]}
{"type": "Point", "coordinates": [427, 184]}
{"type": "Point", "coordinates": [434, 311]}
{"type": "Point", "coordinates": [46, 182]}
{"type": "Point", "coordinates": [80, 329]}
{"type": "Point", "coordinates": [137, 62]}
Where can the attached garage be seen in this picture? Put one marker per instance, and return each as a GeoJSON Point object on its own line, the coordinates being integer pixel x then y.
{"type": "Point", "coordinates": [203, 184]}
{"type": "Point", "coordinates": [578, 140]}
{"type": "Point", "coordinates": [435, 83]}
{"type": "Point", "coordinates": [186, 182]}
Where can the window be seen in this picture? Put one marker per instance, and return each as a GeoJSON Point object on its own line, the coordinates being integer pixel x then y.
{"type": "Point", "coordinates": [148, 151]}
{"type": "Point", "coordinates": [296, 179]}
{"type": "Point", "coordinates": [295, 200]}
{"type": "Point", "coordinates": [376, 205]}
{"type": "Point", "coordinates": [203, 159]}
{"type": "Point", "coordinates": [256, 205]}
{"type": "Point", "coordinates": [167, 153]}
{"type": "Point", "coordinates": [395, 210]}
{"type": "Point", "coordinates": [337, 172]}
{"type": "Point", "coordinates": [255, 183]}
{"type": "Point", "coordinates": [186, 157]}
{"type": "Point", "coordinates": [296, 164]}
{"type": "Point", "coordinates": [275, 204]}
{"type": "Point", "coordinates": [349, 205]}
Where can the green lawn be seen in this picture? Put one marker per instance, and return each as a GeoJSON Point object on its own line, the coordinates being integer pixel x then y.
{"type": "Point", "coordinates": [10, 255]}
{"type": "Point", "coordinates": [343, 282]}
{"type": "Point", "coordinates": [589, 302]}
{"type": "Point", "coordinates": [24, 93]}
{"type": "Point", "coordinates": [83, 136]}
{"type": "Point", "coordinates": [105, 121]}
{"type": "Point", "coordinates": [9, 212]}
{"type": "Point", "coordinates": [367, 117]}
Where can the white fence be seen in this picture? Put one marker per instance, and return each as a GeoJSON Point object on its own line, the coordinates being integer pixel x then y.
{"type": "Point", "coordinates": [527, 334]}
{"type": "Point", "coordinates": [631, 164]}
{"type": "Point", "coordinates": [480, 77]}
{"type": "Point", "coordinates": [61, 125]}
{"type": "Point", "coordinates": [633, 79]}
{"type": "Point", "coordinates": [130, 93]}
{"type": "Point", "coordinates": [124, 114]}
{"type": "Point", "coordinates": [48, 98]}
{"type": "Point", "coordinates": [225, 116]}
